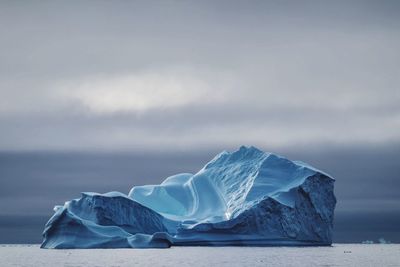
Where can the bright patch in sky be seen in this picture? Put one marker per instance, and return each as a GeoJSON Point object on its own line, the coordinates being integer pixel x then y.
{"type": "Point", "coordinates": [137, 92]}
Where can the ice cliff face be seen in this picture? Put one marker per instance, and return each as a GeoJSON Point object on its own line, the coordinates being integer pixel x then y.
{"type": "Point", "coordinates": [246, 197]}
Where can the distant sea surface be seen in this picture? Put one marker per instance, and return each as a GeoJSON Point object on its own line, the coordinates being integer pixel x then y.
{"type": "Point", "coordinates": [337, 255]}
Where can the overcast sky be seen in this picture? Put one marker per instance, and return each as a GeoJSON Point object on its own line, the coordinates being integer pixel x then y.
{"type": "Point", "coordinates": [149, 75]}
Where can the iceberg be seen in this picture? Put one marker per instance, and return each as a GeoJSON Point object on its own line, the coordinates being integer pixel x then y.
{"type": "Point", "coordinates": [241, 198]}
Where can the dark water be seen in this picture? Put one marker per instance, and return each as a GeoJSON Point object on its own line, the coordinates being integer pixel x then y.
{"type": "Point", "coordinates": [367, 185]}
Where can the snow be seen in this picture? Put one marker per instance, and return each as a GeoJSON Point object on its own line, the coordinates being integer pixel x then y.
{"type": "Point", "coordinates": [245, 197]}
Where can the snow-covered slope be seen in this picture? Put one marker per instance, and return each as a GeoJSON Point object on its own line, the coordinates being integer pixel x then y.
{"type": "Point", "coordinates": [246, 197]}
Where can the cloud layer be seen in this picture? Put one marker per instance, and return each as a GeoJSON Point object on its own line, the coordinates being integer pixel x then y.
{"type": "Point", "coordinates": [194, 75]}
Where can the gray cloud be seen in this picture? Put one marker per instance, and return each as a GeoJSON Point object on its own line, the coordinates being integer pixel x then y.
{"type": "Point", "coordinates": [127, 75]}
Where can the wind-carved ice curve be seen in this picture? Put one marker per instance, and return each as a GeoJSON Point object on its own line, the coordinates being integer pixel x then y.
{"type": "Point", "coordinates": [245, 197]}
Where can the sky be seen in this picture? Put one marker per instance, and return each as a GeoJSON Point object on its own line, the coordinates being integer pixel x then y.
{"type": "Point", "coordinates": [114, 85]}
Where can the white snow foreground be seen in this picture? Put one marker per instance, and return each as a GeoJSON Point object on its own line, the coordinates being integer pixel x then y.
{"type": "Point", "coordinates": [245, 198]}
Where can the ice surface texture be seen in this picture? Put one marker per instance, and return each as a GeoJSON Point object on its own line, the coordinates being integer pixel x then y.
{"type": "Point", "coordinates": [246, 197]}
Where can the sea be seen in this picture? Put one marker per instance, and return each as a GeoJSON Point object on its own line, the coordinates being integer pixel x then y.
{"type": "Point", "coordinates": [336, 255]}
